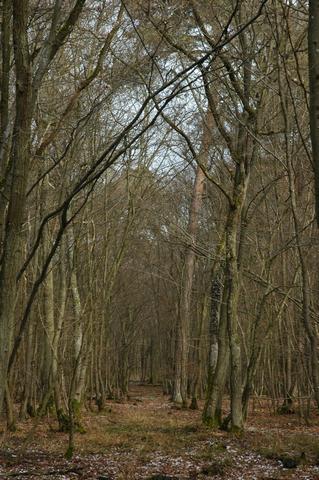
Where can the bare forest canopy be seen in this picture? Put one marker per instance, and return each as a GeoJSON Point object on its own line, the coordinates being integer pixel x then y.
{"type": "Point", "coordinates": [157, 208]}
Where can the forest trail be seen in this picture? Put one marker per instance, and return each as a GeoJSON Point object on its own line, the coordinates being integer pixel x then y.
{"type": "Point", "coordinates": [159, 213]}
{"type": "Point", "coordinates": [146, 437]}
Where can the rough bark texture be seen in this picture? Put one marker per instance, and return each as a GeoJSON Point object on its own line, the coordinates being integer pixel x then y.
{"type": "Point", "coordinates": [5, 81]}
{"type": "Point", "coordinates": [218, 356]}
{"type": "Point", "coordinates": [313, 59]}
{"type": "Point", "coordinates": [12, 248]}
{"type": "Point", "coordinates": [233, 227]}
{"type": "Point", "coordinates": [15, 180]}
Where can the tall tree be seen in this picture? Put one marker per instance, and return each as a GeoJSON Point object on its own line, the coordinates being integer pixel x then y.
{"type": "Point", "coordinates": [27, 87]}
{"type": "Point", "coordinates": [313, 66]}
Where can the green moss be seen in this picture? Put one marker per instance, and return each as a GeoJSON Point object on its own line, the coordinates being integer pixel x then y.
{"type": "Point", "coordinates": [69, 453]}
{"type": "Point", "coordinates": [213, 422]}
{"type": "Point", "coordinates": [237, 431]}
{"type": "Point", "coordinates": [76, 407]}
{"type": "Point", "coordinates": [65, 423]}
{"type": "Point", "coordinates": [76, 410]}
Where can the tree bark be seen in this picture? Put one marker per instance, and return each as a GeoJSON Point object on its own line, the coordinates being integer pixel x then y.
{"type": "Point", "coordinates": [232, 283]}
{"type": "Point", "coordinates": [20, 158]}
{"type": "Point", "coordinates": [184, 312]}
{"type": "Point", "coordinates": [313, 65]}
{"type": "Point", "coordinates": [25, 98]}
{"type": "Point", "coordinates": [218, 358]}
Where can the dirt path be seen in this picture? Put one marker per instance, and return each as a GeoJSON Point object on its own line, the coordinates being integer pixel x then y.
{"type": "Point", "coordinates": [147, 438]}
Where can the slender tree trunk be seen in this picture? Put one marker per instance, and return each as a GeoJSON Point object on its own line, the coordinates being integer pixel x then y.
{"type": "Point", "coordinates": [305, 289]}
{"type": "Point", "coordinates": [313, 62]}
{"type": "Point", "coordinates": [78, 339]}
{"type": "Point", "coordinates": [10, 410]}
{"type": "Point", "coordinates": [58, 331]}
{"type": "Point", "coordinates": [313, 59]}
{"type": "Point", "coordinates": [232, 281]}
{"type": "Point", "coordinates": [5, 82]}
{"type": "Point", "coordinates": [184, 312]}
{"type": "Point", "coordinates": [5, 126]}
{"type": "Point", "coordinates": [49, 311]}
{"type": "Point", "coordinates": [27, 406]}
{"type": "Point", "coordinates": [212, 414]}
{"type": "Point", "coordinates": [197, 367]}
{"type": "Point", "coordinates": [215, 333]}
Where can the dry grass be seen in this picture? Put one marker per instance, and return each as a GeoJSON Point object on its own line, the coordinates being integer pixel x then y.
{"type": "Point", "coordinates": [141, 425]}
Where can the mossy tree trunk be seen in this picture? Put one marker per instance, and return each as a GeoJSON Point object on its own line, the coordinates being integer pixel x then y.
{"type": "Point", "coordinates": [233, 287]}
{"type": "Point", "coordinates": [218, 347]}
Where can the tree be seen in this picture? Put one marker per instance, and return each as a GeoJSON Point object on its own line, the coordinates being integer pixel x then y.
{"type": "Point", "coordinates": [27, 87]}
{"type": "Point", "coordinates": [313, 62]}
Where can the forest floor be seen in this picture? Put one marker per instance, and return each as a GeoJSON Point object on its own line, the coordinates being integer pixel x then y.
{"type": "Point", "coordinates": [147, 438]}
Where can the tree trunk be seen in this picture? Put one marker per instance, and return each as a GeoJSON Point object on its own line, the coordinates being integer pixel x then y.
{"type": "Point", "coordinates": [20, 157]}
{"type": "Point", "coordinates": [232, 283]}
{"type": "Point", "coordinates": [184, 311]}
{"type": "Point", "coordinates": [313, 62]}
{"type": "Point", "coordinates": [212, 414]}
{"type": "Point", "coordinates": [217, 365]}
{"type": "Point", "coordinates": [49, 313]}
{"type": "Point", "coordinates": [78, 345]}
